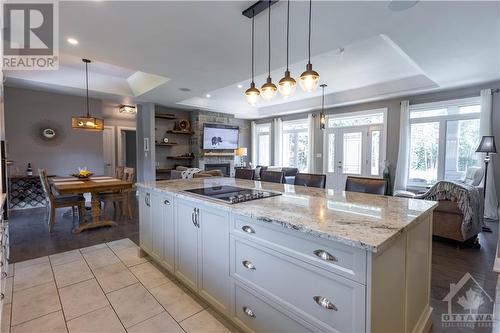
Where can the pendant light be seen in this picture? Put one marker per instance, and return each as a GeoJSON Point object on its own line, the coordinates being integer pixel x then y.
{"type": "Point", "coordinates": [252, 94]}
{"type": "Point", "coordinates": [87, 122]}
{"type": "Point", "coordinates": [287, 84]}
{"type": "Point", "coordinates": [268, 89]}
{"type": "Point", "coordinates": [309, 79]}
{"type": "Point", "coordinates": [322, 116]}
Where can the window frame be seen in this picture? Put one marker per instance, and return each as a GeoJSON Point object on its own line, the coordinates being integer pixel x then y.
{"type": "Point", "coordinates": [306, 130]}
{"type": "Point", "coordinates": [257, 141]}
{"type": "Point", "coordinates": [443, 124]}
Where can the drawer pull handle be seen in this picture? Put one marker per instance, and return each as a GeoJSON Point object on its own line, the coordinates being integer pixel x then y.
{"type": "Point", "coordinates": [324, 255]}
{"type": "Point", "coordinates": [248, 229]}
{"type": "Point", "coordinates": [248, 312]}
{"type": "Point", "coordinates": [325, 303]}
{"type": "Point", "coordinates": [248, 264]}
{"type": "Point", "coordinates": [4, 275]}
{"type": "Point", "coordinates": [2, 296]}
{"type": "Point", "coordinates": [166, 202]}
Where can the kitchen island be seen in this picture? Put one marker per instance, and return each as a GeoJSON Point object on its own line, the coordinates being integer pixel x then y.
{"type": "Point", "coordinates": [306, 260]}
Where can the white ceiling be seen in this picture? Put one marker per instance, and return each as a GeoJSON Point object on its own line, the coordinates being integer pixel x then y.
{"type": "Point", "coordinates": [204, 46]}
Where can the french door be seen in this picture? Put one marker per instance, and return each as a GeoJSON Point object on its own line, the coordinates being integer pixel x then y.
{"type": "Point", "coordinates": [352, 151]}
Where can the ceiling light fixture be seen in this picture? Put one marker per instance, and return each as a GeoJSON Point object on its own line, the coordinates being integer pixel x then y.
{"type": "Point", "coordinates": [322, 116]}
{"type": "Point", "coordinates": [72, 41]}
{"type": "Point", "coordinates": [287, 84]}
{"type": "Point", "coordinates": [87, 122]}
{"type": "Point", "coordinates": [127, 109]}
{"type": "Point", "coordinates": [252, 94]}
{"type": "Point", "coordinates": [268, 89]}
{"type": "Point", "coordinates": [240, 86]}
{"type": "Point", "coordinates": [309, 79]}
{"type": "Point", "coordinates": [208, 95]}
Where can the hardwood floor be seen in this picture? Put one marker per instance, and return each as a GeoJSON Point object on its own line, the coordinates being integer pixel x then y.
{"type": "Point", "coordinates": [449, 264]}
{"type": "Point", "coordinates": [29, 238]}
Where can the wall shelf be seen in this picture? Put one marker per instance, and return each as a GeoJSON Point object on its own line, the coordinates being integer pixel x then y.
{"type": "Point", "coordinates": [215, 154]}
{"type": "Point", "coordinates": [167, 144]}
{"type": "Point", "coordinates": [180, 157]}
{"type": "Point", "coordinates": [179, 132]}
{"type": "Point", "coordinates": [165, 116]}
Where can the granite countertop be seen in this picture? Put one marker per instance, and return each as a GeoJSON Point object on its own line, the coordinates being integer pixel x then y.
{"type": "Point", "coordinates": [365, 221]}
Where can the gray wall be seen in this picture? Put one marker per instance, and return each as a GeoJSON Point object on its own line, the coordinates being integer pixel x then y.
{"type": "Point", "coordinates": [26, 109]}
{"type": "Point", "coordinates": [393, 107]}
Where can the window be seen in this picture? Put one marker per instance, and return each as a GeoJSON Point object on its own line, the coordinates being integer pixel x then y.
{"type": "Point", "coordinates": [296, 144]}
{"type": "Point", "coordinates": [263, 144]}
{"type": "Point", "coordinates": [443, 140]}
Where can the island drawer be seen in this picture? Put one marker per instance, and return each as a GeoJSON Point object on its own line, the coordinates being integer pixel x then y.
{"type": "Point", "coordinates": [338, 258]}
{"type": "Point", "coordinates": [320, 297]}
{"type": "Point", "coordinates": [256, 315]}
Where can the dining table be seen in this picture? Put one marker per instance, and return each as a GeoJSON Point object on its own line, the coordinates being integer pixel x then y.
{"type": "Point", "coordinates": [93, 185]}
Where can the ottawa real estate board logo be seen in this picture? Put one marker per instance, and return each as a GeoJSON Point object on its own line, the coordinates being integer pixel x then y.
{"type": "Point", "coordinates": [469, 305]}
{"type": "Point", "coordinates": [30, 35]}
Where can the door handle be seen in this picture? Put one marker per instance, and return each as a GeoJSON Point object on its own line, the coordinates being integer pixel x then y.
{"type": "Point", "coordinates": [197, 216]}
{"type": "Point", "coordinates": [193, 214]}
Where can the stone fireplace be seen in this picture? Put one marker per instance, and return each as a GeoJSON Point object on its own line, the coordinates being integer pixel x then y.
{"type": "Point", "coordinates": [225, 164]}
{"type": "Point", "coordinates": [225, 168]}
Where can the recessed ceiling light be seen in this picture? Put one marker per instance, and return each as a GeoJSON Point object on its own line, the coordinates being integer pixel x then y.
{"type": "Point", "coordinates": [184, 89]}
{"type": "Point", "coordinates": [72, 41]}
{"type": "Point", "coordinates": [208, 95]}
{"type": "Point", "coordinates": [240, 86]}
{"type": "Point", "coordinates": [400, 5]}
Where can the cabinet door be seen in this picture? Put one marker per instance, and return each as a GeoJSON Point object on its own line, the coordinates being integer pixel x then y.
{"type": "Point", "coordinates": [168, 232]}
{"type": "Point", "coordinates": [157, 219]}
{"type": "Point", "coordinates": [186, 244]}
{"type": "Point", "coordinates": [214, 257]}
{"type": "Point", "coordinates": [145, 228]}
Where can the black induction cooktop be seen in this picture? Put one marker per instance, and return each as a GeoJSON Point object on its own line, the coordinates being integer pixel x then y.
{"type": "Point", "coordinates": [233, 194]}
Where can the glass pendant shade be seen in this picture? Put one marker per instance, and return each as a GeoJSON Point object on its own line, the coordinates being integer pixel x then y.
{"type": "Point", "coordinates": [268, 89]}
{"type": "Point", "coordinates": [287, 85]}
{"type": "Point", "coordinates": [252, 94]}
{"type": "Point", "coordinates": [309, 80]}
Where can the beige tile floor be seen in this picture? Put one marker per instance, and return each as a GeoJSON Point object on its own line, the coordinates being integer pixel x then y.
{"type": "Point", "coordinates": [102, 288]}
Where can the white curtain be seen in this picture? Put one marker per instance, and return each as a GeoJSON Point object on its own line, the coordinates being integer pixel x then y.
{"type": "Point", "coordinates": [401, 179]}
{"type": "Point", "coordinates": [253, 140]}
{"type": "Point", "coordinates": [311, 119]}
{"type": "Point", "coordinates": [278, 141]}
{"type": "Point", "coordinates": [490, 202]}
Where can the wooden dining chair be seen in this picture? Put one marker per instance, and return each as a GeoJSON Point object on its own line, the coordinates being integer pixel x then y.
{"type": "Point", "coordinates": [119, 172]}
{"type": "Point", "coordinates": [120, 199]}
{"type": "Point", "coordinates": [366, 185]}
{"type": "Point", "coordinates": [60, 201]}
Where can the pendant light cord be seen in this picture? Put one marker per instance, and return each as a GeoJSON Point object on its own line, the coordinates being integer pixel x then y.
{"type": "Point", "coordinates": [287, 30]}
{"type": "Point", "coordinates": [253, 20]}
{"type": "Point", "coordinates": [309, 39]}
{"type": "Point", "coordinates": [269, 42]}
{"type": "Point", "coordinates": [87, 85]}
{"type": "Point", "coordinates": [323, 99]}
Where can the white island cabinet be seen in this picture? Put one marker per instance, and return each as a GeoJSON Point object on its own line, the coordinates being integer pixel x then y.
{"type": "Point", "coordinates": [306, 261]}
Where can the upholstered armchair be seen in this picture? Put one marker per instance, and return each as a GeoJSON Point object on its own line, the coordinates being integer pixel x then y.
{"type": "Point", "coordinates": [459, 214]}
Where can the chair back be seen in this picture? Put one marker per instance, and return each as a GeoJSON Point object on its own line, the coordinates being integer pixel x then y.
{"type": "Point", "coordinates": [310, 180]}
{"type": "Point", "coordinates": [119, 172]}
{"type": "Point", "coordinates": [244, 174]}
{"type": "Point", "coordinates": [474, 176]}
{"type": "Point", "coordinates": [46, 186]}
{"type": "Point", "coordinates": [366, 185]}
{"type": "Point", "coordinates": [128, 174]}
{"type": "Point", "coordinates": [272, 176]}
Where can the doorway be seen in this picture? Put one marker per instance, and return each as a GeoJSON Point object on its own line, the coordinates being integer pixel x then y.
{"type": "Point", "coordinates": [127, 147]}
{"type": "Point", "coordinates": [108, 142]}
{"type": "Point", "coordinates": [354, 145]}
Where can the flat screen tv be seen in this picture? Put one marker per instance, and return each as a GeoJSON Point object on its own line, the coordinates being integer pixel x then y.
{"type": "Point", "coordinates": [216, 136]}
